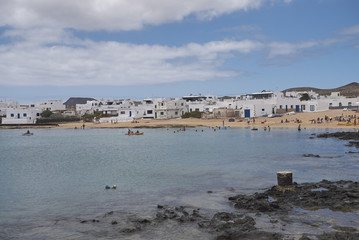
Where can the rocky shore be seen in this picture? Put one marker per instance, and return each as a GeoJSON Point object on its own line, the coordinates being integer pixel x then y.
{"type": "Point", "coordinates": [279, 204]}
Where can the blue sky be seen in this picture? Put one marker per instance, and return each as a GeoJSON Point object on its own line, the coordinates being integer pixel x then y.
{"type": "Point", "coordinates": [136, 49]}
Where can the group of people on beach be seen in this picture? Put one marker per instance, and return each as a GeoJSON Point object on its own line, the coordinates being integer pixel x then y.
{"type": "Point", "coordinates": [322, 120]}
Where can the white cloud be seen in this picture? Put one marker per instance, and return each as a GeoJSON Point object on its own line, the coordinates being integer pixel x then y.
{"type": "Point", "coordinates": [49, 57]}
{"type": "Point", "coordinates": [56, 57]}
{"type": "Point", "coordinates": [353, 30]}
{"type": "Point", "coordinates": [278, 49]}
{"type": "Point", "coordinates": [114, 15]}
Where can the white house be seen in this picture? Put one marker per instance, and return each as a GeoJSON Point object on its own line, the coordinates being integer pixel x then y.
{"type": "Point", "coordinates": [169, 108]}
{"type": "Point", "coordinates": [21, 115]}
{"type": "Point", "coordinates": [52, 105]}
{"type": "Point", "coordinates": [5, 105]}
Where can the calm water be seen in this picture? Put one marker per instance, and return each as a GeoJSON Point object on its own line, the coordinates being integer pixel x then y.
{"type": "Point", "coordinates": [58, 175]}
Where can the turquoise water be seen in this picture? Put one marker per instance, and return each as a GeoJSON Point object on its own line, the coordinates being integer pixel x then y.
{"type": "Point", "coordinates": [61, 173]}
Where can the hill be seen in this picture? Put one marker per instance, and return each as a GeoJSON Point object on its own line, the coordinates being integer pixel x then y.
{"type": "Point", "coordinates": [349, 90]}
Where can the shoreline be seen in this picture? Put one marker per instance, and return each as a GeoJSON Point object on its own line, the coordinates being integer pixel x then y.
{"type": "Point", "coordinates": [289, 121]}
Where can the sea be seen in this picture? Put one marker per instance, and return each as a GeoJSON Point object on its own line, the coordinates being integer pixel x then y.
{"type": "Point", "coordinates": [52, 184]}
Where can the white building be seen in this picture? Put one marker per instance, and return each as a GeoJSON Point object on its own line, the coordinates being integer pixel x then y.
{"type": "Point", "coordinates": [5, 105]}
{"type": "Point", "coordinates": [169, 108]}
{"type": "Point", "coordinates": [21, 115]}
{"type": "Point", "coordinates": [52, 105]}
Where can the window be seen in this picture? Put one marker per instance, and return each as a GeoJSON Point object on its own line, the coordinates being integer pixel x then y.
{"type": "Point", "coordinates": [197, 109]}
{"type": "Point", "coordinates": [291, 106]}
{"type": "Point", "coordinates": [349, 103]}
{"type": "Point", "coordinates": [12, 115]}
{"type": "Point", "coordinates": [280, 106]}
{"type": "Point", "coordinates": [176, 113]}
{"type": "Point", "coordinates": [123, 112]}
{"type": "Point", "coordinates": [162, 113]}
{"type": "Point", "coordinates": [37, 114]}
{"type": "Point", "coordinates": [149, 112]}
{"type": "Point", "coordinates": [161, 104]}
{"type": "Point", "coordinates": [175, 104]}
{"type": "Point", "coordinates": [181, 104]}
{"type": "Point", "coordinates": [303, 107]}
{"type": "Point", "coordinates": [32, 105]}
{"type": "Point", "coordinates": [262, 109]}
{"type": "Point", "coordinates": [330, 104]}
{"type": "Point", "coordinates": [190, 109]}
{"type": "Point", "coordinates": [24, 114]}
{"type": "Point", "coordinates": [312, 108]}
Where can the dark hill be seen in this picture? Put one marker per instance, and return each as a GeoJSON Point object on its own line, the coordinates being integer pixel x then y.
{"type": "Point", "coordinates": [71, 102]}
{"type": "Point", "coordinates": [349, 90]}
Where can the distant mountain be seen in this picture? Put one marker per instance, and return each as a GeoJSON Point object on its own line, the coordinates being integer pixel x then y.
{"type": "Point", "coordinates": [349, 90]}
{"type": "Point", "coordinates": [71, 102]}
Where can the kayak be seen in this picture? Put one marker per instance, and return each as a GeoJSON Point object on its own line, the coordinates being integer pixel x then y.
{"type": "Point", "coordinates": [129, 134]}
{"type": "Point", "coordinates": [346, 124]}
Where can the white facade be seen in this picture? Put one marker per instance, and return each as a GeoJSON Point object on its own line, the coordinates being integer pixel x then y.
{"type": "Point", "coordinates": [5, 105]}
{"type": "Point", "coordinates": [169, 108]}
{"type": "Point", "coordinates": [21, 116]}
{"type": "Point", "coordinates": [52, 105]}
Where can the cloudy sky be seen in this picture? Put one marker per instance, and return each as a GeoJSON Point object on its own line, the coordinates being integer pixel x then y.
{"type": "Point", "coordinates": [51, 49]}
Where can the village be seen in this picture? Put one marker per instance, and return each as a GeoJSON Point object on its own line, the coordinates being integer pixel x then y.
{"type": "Point", "coordinates": [262, 104]}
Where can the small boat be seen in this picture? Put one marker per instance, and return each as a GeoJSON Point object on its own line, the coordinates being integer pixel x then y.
{"type": "Point", "coordinates": [130, 134]}
{"type": "Point", "coordinates": [28, 133]}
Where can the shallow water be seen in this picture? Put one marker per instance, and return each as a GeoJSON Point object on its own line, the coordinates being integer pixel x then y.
{"type": "Point", "coordinates": [55, 178]}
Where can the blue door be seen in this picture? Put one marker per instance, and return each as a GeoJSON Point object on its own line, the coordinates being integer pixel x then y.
{"type": "Point", "coordinates": [247, 113]}
{"type": "Point", "coordinates": [130, 113]}
{"type": "Point", "coordinates": [297, 108]}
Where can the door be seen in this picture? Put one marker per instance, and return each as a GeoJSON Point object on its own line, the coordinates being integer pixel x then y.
{"type": "Point", "coordinates": [297, 108]}
{"type": "Point", "coordinates": [247, 113]}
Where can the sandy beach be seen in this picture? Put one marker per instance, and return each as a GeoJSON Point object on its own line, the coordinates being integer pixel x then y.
{"type": "Point", "coordinates": [289, 121]}
{"type": "Point", "coordinates": [260, 122]}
